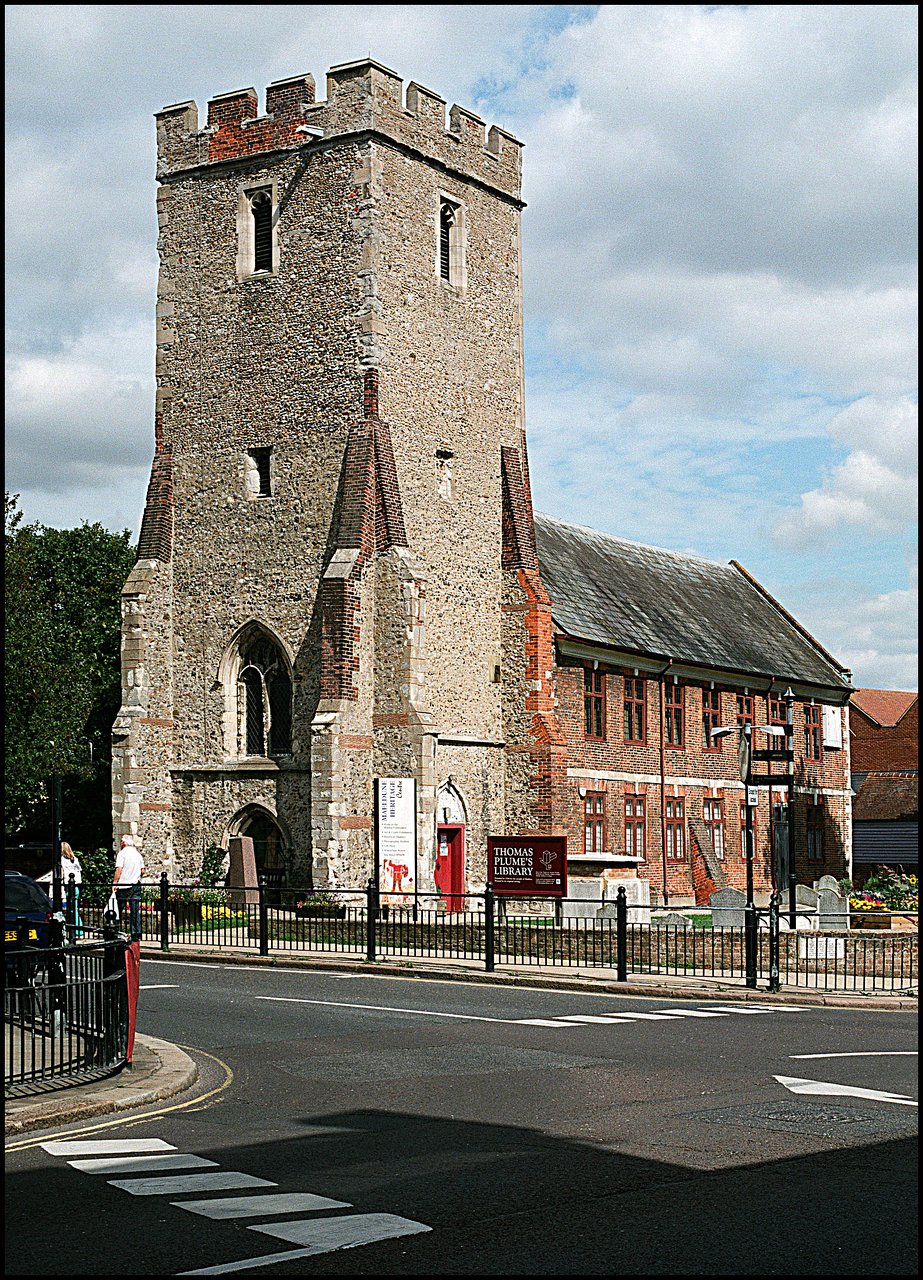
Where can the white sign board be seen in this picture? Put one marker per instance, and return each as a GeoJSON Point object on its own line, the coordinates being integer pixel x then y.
{"type": "Point", "coordinates": [753, 797]}
{"type": "Point", "coordinates": [396, 832]}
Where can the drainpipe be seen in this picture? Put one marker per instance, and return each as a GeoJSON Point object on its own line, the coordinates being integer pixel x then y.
{"type": "Point", "coordinates": [663, 784]}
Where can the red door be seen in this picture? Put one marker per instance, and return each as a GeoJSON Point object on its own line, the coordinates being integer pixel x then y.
{"type": "Point", "coordinates": [449, 873]}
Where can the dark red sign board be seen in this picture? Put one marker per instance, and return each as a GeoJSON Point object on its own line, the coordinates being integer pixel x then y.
{"type": "Point", "coordinates": [527, 866]}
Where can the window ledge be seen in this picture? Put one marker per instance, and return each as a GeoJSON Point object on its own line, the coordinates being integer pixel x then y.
{"type": "Point", "coordinates": [606, 858]}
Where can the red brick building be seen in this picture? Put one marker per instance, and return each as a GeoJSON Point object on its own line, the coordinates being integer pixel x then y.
{"type": "Point", "coordinates": [653, 650]}
{"type": "Point", "coordinates": [884, 746]}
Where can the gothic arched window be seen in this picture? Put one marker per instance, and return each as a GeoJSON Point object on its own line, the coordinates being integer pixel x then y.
{"type": "Point", "coordinates": [261, 205]}
{"type": "Point", "coordinates": [264, 698]}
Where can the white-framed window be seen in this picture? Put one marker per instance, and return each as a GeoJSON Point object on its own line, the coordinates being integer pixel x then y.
{"type": "Point", "coordinates": [713, 815]}
{"type": "Point", "coordinates": [635, 835]}
{"type": "Point", "coordinates": [594, 822]}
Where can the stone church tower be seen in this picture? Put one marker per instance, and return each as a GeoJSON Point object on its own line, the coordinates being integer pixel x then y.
{"type": "Point", "coordinates": [337, 576]}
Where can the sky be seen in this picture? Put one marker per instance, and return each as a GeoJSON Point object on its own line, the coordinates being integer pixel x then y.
{"type": "Point", "coordinates": [719, 252]}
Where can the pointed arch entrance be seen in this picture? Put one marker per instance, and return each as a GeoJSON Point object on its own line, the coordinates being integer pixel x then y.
{"type": "Point", "coordinates": [271, 846]}
{"type": "Point", "coordinates": [449, 869]}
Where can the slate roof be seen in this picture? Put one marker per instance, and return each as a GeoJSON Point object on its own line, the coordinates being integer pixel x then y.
{"type": "Point", "coordinates": [666, 604]}
{"type": "Point", "coordinates": [884, 706]}
{"type": "Point", "coordinates": [885, 797]}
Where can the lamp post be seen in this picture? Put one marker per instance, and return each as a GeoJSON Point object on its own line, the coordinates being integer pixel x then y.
{"type": "Point", "coordinates": [790, 747]}
{"type": "Point", "coordinates": [745, 760]}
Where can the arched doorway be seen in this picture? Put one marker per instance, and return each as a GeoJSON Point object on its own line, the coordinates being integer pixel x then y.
{"type": "Point", "coordinates": [270, 847]}
{"type": "Point", "coordinates": [449, 868]}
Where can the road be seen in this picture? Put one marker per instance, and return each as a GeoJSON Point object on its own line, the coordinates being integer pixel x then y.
{"type": "Point", "coordinates": [476, 1129]}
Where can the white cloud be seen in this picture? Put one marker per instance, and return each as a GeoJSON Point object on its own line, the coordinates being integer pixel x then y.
{"type": "Point", "coordinates": [718, 250]}
{"type": "Point", "coordinates": [875, 488]}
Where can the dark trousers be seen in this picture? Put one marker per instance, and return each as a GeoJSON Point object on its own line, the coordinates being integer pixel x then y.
{"type": "Point", "coordinates": [131, 895]}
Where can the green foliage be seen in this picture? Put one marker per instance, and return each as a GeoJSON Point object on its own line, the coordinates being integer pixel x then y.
{"type": "Point", "coordinates": [212, 865]}
{"type": "Point", "coordinates": [97, 867]}
{"type": "Point", "coordinates": [897, 891]}
{"type": "Point", "coordinates": [884, 888]}
{"type": "Point", "coordinates": [63, 684]}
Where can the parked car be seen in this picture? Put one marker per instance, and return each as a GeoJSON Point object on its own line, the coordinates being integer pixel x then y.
{"type": "Point", "coordinates": [22, 897]}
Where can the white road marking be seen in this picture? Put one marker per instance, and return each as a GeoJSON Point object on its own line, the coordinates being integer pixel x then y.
{"type": "Point", "coordinates": [884, 1053]}
{"type": "Point", "coordinates": [256, 1206]}
{"type": "Point", "coordinates": [189, 1182]}
{"type": "Point", "coordinates": [323, 1235]}
{"type": "Point", "coordinates": [141, 1164]}
{"type": "Point", "coordinates": [106, 1147]}
{"type": "Point", "coordinates": [592, 1017]}
{"type": "Point", "coordinates": [158, 986]}
{"type": "Point", "coordinates": [380, 1008]}
{"type": "Point", "coordinates": [743, 1008]}
{"type": "Point", "coordinates": [540, 1022]}
{"type": "Point", "coordinates": [371, 1226]}
{"type": "Point", "coordinates": [843, 1090]}
{"type": "Point", "coordinates": [695, 1013]}
{"type": "Point", "coordinates": [654, 1017]}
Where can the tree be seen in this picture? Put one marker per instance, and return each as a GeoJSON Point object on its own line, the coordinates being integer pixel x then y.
{"type": "Point", "coordinates": [62, 636]}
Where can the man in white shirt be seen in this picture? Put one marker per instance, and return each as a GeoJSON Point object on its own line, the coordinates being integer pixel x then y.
{"type": "Point", "coordinates": [126, 883]}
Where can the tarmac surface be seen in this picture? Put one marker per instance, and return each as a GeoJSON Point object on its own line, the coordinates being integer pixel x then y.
{"type": "Point", "coordinates": [161, 1069]}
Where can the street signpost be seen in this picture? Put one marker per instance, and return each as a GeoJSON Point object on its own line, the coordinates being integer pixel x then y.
{"type": "Point", "coordinates": [527, 866]}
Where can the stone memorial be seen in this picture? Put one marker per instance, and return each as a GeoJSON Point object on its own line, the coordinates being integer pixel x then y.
{"type": "Point", "coordinates": [832, 907]}
{"type": "Point", "coordinates": [727, 908]}
{"type": "Point", "coordinates": [588, 895]}
{"type": "Point", "coordinates": [242, 882]}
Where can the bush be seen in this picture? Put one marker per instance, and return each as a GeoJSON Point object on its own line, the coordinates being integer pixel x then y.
{"type": "Point", "coordinates": [212, 865]}
{"type": "Point", "coordinates": [97, 867]}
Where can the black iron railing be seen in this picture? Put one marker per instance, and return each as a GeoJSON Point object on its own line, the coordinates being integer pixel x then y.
{"type": "Point", "coordinates": [65, 1013]}
{"type": "Point", "coordinates": [476, 927]}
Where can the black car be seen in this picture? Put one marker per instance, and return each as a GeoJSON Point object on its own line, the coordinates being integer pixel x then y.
{"type": "Point", "coordinates": [23, 898]}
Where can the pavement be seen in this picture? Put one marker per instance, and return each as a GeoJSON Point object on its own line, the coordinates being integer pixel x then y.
{"type": "Point", "coordinates": [162, 1070]}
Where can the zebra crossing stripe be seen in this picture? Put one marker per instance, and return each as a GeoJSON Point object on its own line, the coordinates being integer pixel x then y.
{"type": "Point", "coordinates": [189, 1182]}
{"type": "Point", "coordinates": [591, 1017]}
{"type": "Point", "coordinates": [695, 1013]}
{"type": "Point", "coordinates": [141, 1164]}
{"type": "Point", "coordinates": [256, 1206]}
{"type": "Point", "coordinates": [538, 1022]}
{"type": "Point", "coordinates": [323, 1235]}
{"type": "Point", "coordinates": [106, 1147]}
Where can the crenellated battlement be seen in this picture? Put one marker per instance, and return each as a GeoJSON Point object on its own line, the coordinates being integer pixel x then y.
{"type": "Point", "coordinates": [361, 96]}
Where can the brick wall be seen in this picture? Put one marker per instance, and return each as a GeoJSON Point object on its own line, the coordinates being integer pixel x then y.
{"type": "Point", "coordinates": [884, 747]}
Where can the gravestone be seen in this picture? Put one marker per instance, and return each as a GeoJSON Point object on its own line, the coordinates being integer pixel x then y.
{"type": "Point", "coordinates": [638, 899]}
{"type": "Point", "coordinates": [242, 883]}
{"type": "Point", "coordinates": [674, 920]}
{"type": "Point", "coordinates": [727, 908]}
{"type": "Point", "coordinates": [827, 882]}
{"type": "Point", "coordinates": [805, 907]}
{"type": "Point", "coordinates": [588, 895]}
{"type": "Point", "coordinates": [832, 907]}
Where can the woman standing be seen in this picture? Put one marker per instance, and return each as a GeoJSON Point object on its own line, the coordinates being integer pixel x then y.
{"type": "Point", "coordinates": [70, 866]}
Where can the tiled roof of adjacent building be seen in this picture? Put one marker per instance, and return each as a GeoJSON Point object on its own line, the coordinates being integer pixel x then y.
{"type": "Point", "coordinates": [884, 706]}
{"type": "Point", "coordinates": [667, 604]}
{"type": "Point", "coordinates": [884, 797]}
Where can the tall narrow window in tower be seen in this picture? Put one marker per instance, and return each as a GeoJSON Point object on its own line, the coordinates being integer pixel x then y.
{"type": "Point", "coordinates": [261, 206]}
{"type": "Point", "coordinates": [450, 247]}
{"type": "Point", "coordinates": [264, 701]}
{"type": "Point", "coordinates": [446, 224]}
{"type": "Point", "coordinates": [259, 472]}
